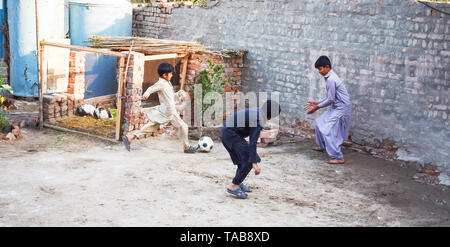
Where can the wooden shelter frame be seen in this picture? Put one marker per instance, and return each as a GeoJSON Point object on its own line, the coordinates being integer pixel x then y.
{"type": "Point", "coordinates": [122, 76]}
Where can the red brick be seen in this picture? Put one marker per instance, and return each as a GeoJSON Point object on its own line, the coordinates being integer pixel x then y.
{"type": "Point", "coordinates": [195, 56]}
{"type": "Point", "coordinates": [194, 67]}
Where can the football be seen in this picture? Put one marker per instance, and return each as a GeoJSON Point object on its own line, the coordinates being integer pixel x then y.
{"type": "Point", "coordinates": [205, 144]}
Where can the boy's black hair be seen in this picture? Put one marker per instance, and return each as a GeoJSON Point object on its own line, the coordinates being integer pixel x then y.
{"type": "Point", "coordinates": [165, 68]}
{"type": "Point", "coordinates": [323, 61]}
{"type": "Point", "coordinates": [268, 106]}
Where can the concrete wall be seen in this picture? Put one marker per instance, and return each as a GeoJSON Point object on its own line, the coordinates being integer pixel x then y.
{"type": "Point", "coordinates": [393, 56]}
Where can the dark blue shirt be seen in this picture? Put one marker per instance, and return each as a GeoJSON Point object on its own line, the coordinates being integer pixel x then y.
{"type": "Point", "coordinates": [245, 123]}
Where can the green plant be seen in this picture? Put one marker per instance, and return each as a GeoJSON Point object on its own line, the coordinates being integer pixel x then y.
{"type": "Point", "coordinates": [4, 119]}
{"type": "Point", "coordinates": [59, 139]}
{"type": "Point", "coordinates": [3, 88]}
{"type": "Point", "coordinates": [4, 116]}
{"type": "Point", "coordinates": [212, 81]}
{"type": "Point", "coordinates": [113, 113]}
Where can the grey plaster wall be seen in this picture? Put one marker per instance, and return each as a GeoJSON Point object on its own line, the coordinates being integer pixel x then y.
{"type": "Point", "coordinates": [393, 56]}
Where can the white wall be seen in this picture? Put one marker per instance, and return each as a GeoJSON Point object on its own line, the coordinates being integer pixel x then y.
{"type": "Point", "coordinates": [66, 16]}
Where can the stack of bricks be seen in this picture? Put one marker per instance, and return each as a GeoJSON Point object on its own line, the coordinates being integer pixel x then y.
{"type": "Point", "coordinates": [134, 116]}
{"type": "Point", "coordinates": [76, 85]}
{"type": "Point", "coordinates": [49, 108]}
{"type": "Point", "coordinates": [59, 106]}
{"type": "Point", "coordinates": [300, 128]}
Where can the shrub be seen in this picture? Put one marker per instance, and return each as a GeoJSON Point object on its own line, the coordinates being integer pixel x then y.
{"type": "Point", "coordinates": [3, 88]}
{"type": "Point", "coordinates": [4, 119]}
{"type": "Point", "coordinates": [211, 80]}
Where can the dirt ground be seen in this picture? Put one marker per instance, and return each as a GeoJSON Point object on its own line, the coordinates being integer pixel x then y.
{"type": "Point", "coordinates": [51, 178]}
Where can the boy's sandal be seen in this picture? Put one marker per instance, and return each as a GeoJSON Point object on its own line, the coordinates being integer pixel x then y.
{"type": "Point", "coordinates": [318, 149]}
{"type": "Point", "coordinates": [191, 150]}
{"type": "Point", "coordinates": [245, 188]}
{"type": "Point", "coordinates": [336, 161]}
{"type": "Point", "coordinates": [126, 143]}
{"type": "Point", "coordinates": [239, 193]}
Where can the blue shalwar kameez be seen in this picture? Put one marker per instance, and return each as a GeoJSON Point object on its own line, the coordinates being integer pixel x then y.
{"type": "Point", "coordinates": [333, 126]}
{"type": "Point", "coordinates": [242, 124]}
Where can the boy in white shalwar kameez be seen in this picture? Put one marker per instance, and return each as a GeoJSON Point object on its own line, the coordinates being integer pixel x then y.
{"type": "Point", "coordinates": [333, 126]}
{"type": "Point", "coordinates": [166, 113]}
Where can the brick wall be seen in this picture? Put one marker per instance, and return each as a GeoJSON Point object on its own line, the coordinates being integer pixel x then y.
{"type": "Point", "coordinates": [77, 64]}
{"type": "Point", "coordinates": [393, 57]}
{"type": "Point", "coordinates": [105, 102]}
{"type": "Point", "coordinates": [152, 19]}
{"type": "Point", "coordinates": [232, 62]}
{"type": "Point", "coordinates": [134, 116]}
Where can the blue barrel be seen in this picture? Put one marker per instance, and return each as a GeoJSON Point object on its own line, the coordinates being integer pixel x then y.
{"type": "Point", "coordinates": [22, 38]}
{"type": "Point", "coordinates": [102, 18]}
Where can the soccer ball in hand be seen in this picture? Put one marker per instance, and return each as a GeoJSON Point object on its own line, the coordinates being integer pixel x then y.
{"type": "Point", "coordinates": [205, 144]}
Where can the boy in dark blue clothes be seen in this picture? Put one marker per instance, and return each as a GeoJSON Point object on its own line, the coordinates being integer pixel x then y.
{"type": "Point", "coordinates": [245, 123]}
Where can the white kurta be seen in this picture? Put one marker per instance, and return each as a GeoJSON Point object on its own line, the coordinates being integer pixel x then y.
{"type": "Point", "coordinates": [165, 113]}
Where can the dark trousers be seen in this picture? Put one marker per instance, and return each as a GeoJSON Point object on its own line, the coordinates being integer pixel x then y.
{"type": "Point", "coordinates": [237, 147]}
{"type": "Point", "coordinates": [241, 173]}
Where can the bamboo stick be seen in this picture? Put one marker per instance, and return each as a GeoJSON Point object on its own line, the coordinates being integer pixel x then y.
{"type": "Point", "coordinates": [163, 56]}
{"type": "Point", "coordinates": [183, 76]}
{"type": "Point", "coordinates": [122, 82]}
{"type": "Point", "coordinates": [147, 45]}
{"type": "Point", "coordinates": [86, 49]}
{"type": "Point", "coordinates": [39, 68]}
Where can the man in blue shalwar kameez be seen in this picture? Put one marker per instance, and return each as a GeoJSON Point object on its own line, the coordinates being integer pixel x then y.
{"type": "Point", "coordinates": [333, 126]}
{"type": "Point", "coordinates": [245, 123]}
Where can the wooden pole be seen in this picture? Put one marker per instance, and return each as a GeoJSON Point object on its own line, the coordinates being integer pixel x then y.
{"type": "Point", "coordinates": [119, 98]}
{"type": "Point", "coordinates": [39, 67]}
{"type": "Point", "coordinates": [41, 86]}
{"type": "Point", "coordinates": [164, 56]}
{"type": "Point", "coordinates": [183, 76]}
{"type": "Point", "coordinates": [86, 49]}
{"type": "Point", "coordinates": [50, 126]}
{"type": "Point", "coordinates": [122, 82]}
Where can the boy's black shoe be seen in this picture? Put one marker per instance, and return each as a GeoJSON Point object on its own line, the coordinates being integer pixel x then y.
{"type": "Point", "coordinates": [191, 150]}
{"type": "Point", "coordinates": [126, 143]}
